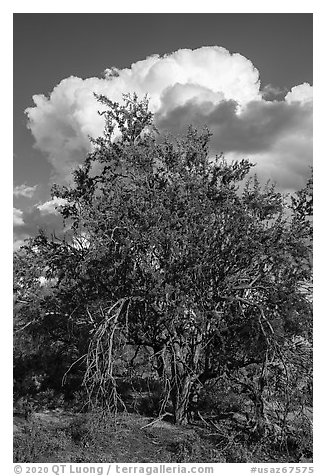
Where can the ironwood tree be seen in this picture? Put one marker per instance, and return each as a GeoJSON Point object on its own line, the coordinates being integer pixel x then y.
{"type": "Point", "coordinates": [175, 251]}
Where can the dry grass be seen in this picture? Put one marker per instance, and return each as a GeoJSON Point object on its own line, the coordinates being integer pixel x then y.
{"type": "Point", "coordinates": [60, 436]}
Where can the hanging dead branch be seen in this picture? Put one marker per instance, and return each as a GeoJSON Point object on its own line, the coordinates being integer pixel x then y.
{"type": "Point", "coordinates": [99, 378]}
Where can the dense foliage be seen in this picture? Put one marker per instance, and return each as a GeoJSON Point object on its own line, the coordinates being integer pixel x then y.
{"type": "Point", "coordinates": [177, 256]}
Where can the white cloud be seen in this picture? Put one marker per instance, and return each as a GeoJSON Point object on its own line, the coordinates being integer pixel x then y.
{"type": "Point", "coordinates": [18, 217]}
{"type": "Point", "coordinates": [301, 94]}
{"type": "Point", "coordinates": [43, 216]}
{"type": "Point", "coordinates": [62, 122]}
{"type": "Point", "coordinates": [24, 190]}
{"type": "Point", "coordinates": [81, 242]}
{"type": "Point", "coordinates": [18, 243]}
{"type": "Point", "coordinates": [209, 86]}
{"type": "Point", "coordinates": [51, 206]}
{"type": "Point", "coordinates": [276, 135]}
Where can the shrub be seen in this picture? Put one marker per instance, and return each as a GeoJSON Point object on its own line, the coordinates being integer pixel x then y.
{"type": "Point", "coordinates": [36, 443]}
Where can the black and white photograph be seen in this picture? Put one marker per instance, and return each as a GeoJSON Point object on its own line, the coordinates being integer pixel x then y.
{"type": "Point", "coordinates": [162, 239]}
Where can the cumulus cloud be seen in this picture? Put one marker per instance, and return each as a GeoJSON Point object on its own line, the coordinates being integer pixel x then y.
{"type": "Point", "coordinates": [301, 94]}
{"type": "Point", "coordinates": [24, 190]}
{"type": "Point", "coordinates": [18, 217]}
{"type": "Point", "coordinates": [51, 206]}
{"type": "Point", "coordinates": [42, 216]}
{"type": "Point", "coordinates": [18, 243]}
{"type": "Point", "coordinates": [19, 235]}
{"type": "Point", "coordinates": [206, 86]}
{"type": "Point", "coordinates": [62, 122]}
{"type": "Point", "coordinates": [276, 135]}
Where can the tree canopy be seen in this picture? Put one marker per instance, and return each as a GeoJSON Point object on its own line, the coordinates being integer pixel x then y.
{"type": "Point", "coordinates": [170, 249]}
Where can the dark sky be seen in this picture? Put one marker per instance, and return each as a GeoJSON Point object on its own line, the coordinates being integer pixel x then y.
{"type": "Point", "coordinates": [50, 47]}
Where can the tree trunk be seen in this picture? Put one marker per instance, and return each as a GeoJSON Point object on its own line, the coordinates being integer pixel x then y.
{"type": "Point", "coordinates": [160, 364]}
{"type": "Point", "coordinates": [180, 400]}
{"type": "Point", "coordinates": [261, 419]}
{"type": "Point", "coordinates": [185, 355]}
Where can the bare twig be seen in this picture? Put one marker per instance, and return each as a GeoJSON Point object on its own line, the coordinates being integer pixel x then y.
{"type": "Point", "coordinates": [24, 327]}
{"type": "Point", "coordinates": [156, 420]}
{"type": "Point", "coordinates": [64, 378]}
